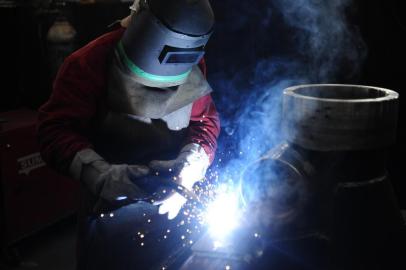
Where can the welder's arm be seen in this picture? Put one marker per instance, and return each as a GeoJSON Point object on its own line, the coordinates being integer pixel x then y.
{"type": "Point", "coordinates": [113, 184]}
{"type": "Point", "coordinates": [204, 126]}
{"type": "Point", "coordinates": [195, 157]}
{"type": "Point", "coordinates": [64, 121]}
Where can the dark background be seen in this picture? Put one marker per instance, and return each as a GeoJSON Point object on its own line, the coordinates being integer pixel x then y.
{"type": "Point", "coordinates": [237, 45]}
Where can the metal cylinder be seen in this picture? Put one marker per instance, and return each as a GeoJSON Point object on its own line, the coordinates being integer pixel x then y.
{"type": "Point", "coordinates": [345, 130]}
{"type": "Point", "coordinates": [275, 186]}
{"type": "Point", "coordinates": [331, 117]}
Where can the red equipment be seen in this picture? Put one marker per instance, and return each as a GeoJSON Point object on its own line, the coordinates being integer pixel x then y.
{"type": "Point", "coordinates": [32, 196]}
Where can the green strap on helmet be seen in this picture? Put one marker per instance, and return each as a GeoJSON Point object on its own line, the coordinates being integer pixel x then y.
{"type": "Point", "coordinates": [143, 74]}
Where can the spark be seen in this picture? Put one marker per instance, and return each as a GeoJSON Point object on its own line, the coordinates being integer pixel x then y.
{"type": "Point", "coordinates": [228, 267]}
{"type": "Point", "coordinates": [111, 215]}
{"type": "Point", "coordinates": [102, 215]}
{"type": "Point", "coordinates": [149, 221]}
{"type": "Point", "coordinates": [142, 244]}
{"type": "Point", "coordinates": [182, 237]}
{"type": "Point", "coordinates": [142, 236]}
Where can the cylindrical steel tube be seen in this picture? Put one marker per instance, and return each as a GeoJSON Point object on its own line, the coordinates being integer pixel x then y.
{"type": "Point", "coordinates": [329, 117]}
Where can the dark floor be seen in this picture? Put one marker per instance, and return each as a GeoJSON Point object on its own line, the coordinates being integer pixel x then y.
{"type": "Point", "coordinates": [53, 248]}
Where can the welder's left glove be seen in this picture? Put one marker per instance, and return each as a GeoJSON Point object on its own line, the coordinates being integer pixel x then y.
{"type": "Point", "coordinates": [189, 167]}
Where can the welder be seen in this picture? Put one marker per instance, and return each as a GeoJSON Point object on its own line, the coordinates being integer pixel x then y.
{"type": "Point", "coordinates": [129, 106]}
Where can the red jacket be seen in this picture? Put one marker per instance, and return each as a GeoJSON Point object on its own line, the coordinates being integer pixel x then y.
{"type": "Point", "coordinates": [65, 119]}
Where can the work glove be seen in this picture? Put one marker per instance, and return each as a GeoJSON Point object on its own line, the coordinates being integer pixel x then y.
{"type": "Point", "coordinates": [110, 183]}
{"type": "Point", "coordinates": [188, 168]}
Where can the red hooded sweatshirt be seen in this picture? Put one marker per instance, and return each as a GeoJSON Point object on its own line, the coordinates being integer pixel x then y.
{"type": "Point", "coordinates": [65, 120]}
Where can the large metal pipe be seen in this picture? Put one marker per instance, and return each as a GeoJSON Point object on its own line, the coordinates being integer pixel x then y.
{"type": "Point", "coordinates": [328, 117]}
{"type": "Point", "coordinates": [335, 153]}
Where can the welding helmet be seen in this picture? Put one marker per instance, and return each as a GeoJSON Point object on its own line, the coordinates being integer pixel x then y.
{"type": "Point", "coordinates": [165, 39]}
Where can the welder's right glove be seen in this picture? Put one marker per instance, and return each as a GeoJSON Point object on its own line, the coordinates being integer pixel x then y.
{"type": "Point", "coordinates": [111, 183]}
{"type": "Point", "coordinates": [189, 167]}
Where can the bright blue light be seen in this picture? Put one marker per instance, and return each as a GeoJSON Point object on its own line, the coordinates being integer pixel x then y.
{"type": "Point", "coordinates": [223, 214]}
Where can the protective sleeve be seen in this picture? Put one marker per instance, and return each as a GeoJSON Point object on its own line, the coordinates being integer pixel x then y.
{"type": "Point", "coordinates": [204, 126]}
{"type": "Point", "coordinates": [64, 120]}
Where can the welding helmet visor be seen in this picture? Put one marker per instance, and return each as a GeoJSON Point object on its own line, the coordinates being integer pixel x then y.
{"type": "Point", "coordinates": [165, 39]}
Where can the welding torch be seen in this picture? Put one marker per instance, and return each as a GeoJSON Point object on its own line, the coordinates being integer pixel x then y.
{"type": "Point", "coordinates": [156, 181]}
{"type": "Point", "coordinates": [189, 195]}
